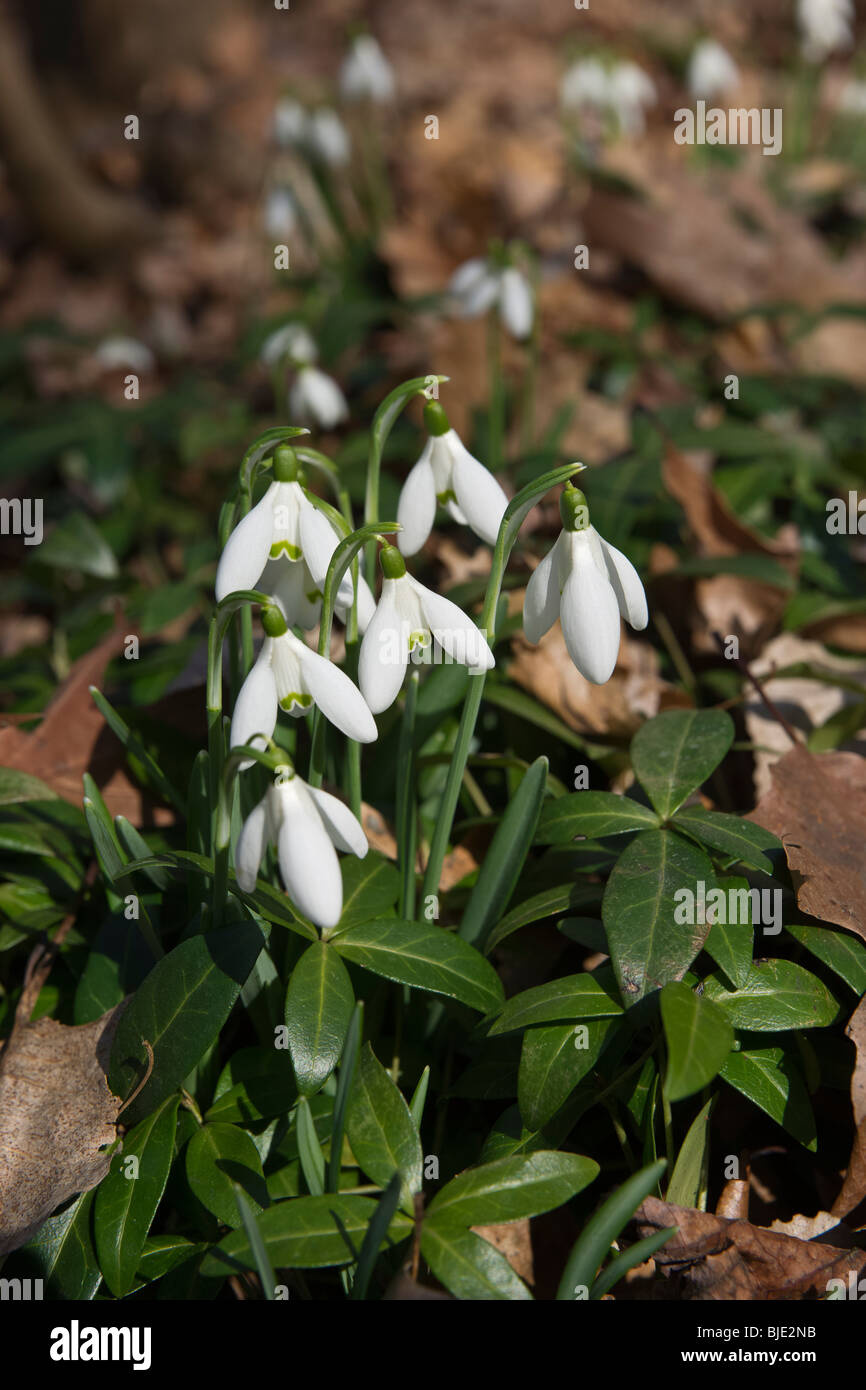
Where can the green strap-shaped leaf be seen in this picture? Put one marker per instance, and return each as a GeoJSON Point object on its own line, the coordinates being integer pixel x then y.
{"type": "Point", "coordinates": [319, 1005]}
{"type": "Point", "coordinates": [381, 1130]}
{"type": "Point", "coordinates": [698, 1036]}
{"type": "Point", "coordinates": [688, 1186]}
{"type": "Point", "coordinates": [128, 1197]}
{"type": "Point", "coordinates": [648, 946]}
{"type": "Point", "coordinates": [505, 857]}
{"type": "Point", "coordinates": [424, 957]}
{"type": "Point", "coordinates": [673, 754]}
{"type": "Point", "coordinates": [602, 1230]}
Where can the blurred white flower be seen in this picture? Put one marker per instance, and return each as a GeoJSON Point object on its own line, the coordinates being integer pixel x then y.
{"type": "Point", "coordinates": [448, 474]}
{"type": "Point", "coordinates": [478, 284]}
{"type": "Point", "coordinates": [587, 584]}
{"type": "Point", "coordinates": [281, 215]}
{"type": "Point", "coordinates": [825, 26]}
{"type": "Point", "coordinates": [711, 71]}
{"type": "Point", "coordinates": [124, 352]}
{"type": "Point", "coordinates": [584, 84]}
{"type": "Point", "coordinates": [289, 122]}
{"type": "Point", "coordinates": [631, 91]}
{"type": "Point", "coordinates": [315, 397]}
{"type": "Point", "coordinates": [327, 139]}
{"type": "Point", "coordinates": [366, 73]}
{"type": "Point", "coordinates": [852, 98]}
{"type": "Point", "coordinates": [408, 618]}
{"type": "Point", "coordinates": [307, 826]}
{"type": "Point", "coordinates": [292, 342]}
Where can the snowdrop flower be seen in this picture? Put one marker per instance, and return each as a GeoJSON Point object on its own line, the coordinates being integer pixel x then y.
{"type": "Point", "coordinates": [366, 73]}
{"type": "Point", "coordinates": [289, 123]}
{"type": "Point", "coordinates": [584, 84]}
{"type": "Point", "coordinates": [124, 352]}
{"type": "Point", "coordinates": [327, 139]}
{"type": "Point", "coordinates": [307, 826]}
{"type": "Point", "coordinates": [284, 546]}
{"type": "Point", "coordinates": [825, 26]}
{"type": "Point", "coordinates": [447, 473]}
{"type": "Point", "coordinates": [711, 71]}
{"type": "Point", "coordinates": [316, 397]}
{"type": "Point", "coordinates": [291, 343]}
{"type": "Point", "coordinates": [478, 285]}
{"type": "Point", "coordinates": [287, 675]}
{"type": "Point", "coordinates": [587, 584]}
{"type": "Point", "coordinates": [281, 215]}
{"type": "Point", "coordinates": [408, 619]}
{"type": "Point", "coordinates": [630, 90]}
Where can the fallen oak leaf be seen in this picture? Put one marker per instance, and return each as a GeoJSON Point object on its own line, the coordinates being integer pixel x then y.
{"type": "Point", "coordinates": [720, 1258]}
{"type": "Point", "coordinates": [853, 1189]}
{"type": "Point", "coordinates": [57, 1118]}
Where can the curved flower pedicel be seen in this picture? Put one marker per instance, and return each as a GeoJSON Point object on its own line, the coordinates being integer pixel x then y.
{"type": "Point", "coordinates": [307, 826]}
{"type": "Point", "coordinates": [410, 617]}
{"type": "Point", "coordinates": [587, 584]}
{"type": "Point", "coordinates": [287, 675]}
{"type": "Point", "coordinates": [448, 474]}
{"type": "Point", "coordinates": [284, 546]}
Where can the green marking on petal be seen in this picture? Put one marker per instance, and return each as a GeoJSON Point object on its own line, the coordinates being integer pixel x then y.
{"type": "Point", "coordinates": [294, 697]}
{"type": "Point", "coordinates": [313, 595]}
{"type": "Point", "coordinates": [443, 498]}
{"type": "Point", "coordinates": [292, 552]}
{"type": "Point", "coordinates": [418, 639]}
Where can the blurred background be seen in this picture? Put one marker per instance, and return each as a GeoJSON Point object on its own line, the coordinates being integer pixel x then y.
{"type": "Point", "coordinates": [153, 161]}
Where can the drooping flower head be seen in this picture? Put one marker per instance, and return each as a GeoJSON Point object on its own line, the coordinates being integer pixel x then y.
{"type": "Point", "coordinates": [587, 584]}
{"type": "Point", "coordinates": [366, 74]}
{"type": "Point", "coordinates": [447, 474]}
{"type": "Point", "coordinates": [307, 826]}
{"type": "Point", "coordinates": [482, 283]}
{"type": "Point", "coordinates": [711, 71]}
{"type": "Point", "coordinates": [284, 546]}
{"type": "Point", "coordinates": [825, 27]}
{"type": "Point", "coordinates": [410, 619]}
{"type": "Point", "coordinates": [287, 675]}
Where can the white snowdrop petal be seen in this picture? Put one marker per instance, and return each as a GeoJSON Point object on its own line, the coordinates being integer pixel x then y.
{"type": "Point", "coordinates": [384, 652]}
{"type": "Point", "coordinates": [515, 301]}
{"type": "Point", "coordinates": [288, 583]}
{"type": "Point", "coordinates": [250, 848]}
{"type": "Point", "coordinates": [308, 861]}
{"type": "Point", "coordinates": [255, 709]}
{"type": "Point", "coordinates": [468, 276]}
{"type": "Point", "coordinates": [416, 509]}
{"type": "Point", "coordinates": [344, 828]}
{"type": "Point", "coordinates": [455, 632]}
{"type": "Point", "coordinates": [627, 586]}
{"type": "Point", "coordinates": [480, 498]}
{"type": "Point", "coordinates": [319, 540]}
{"type": "Point", "coordinates": [541, 600]}
{"type": "Point", "coordinates": [338, 698]}
{"type": "Point", "coordinates": [246, 552]}
{"type": "Point", "coordinates": [590, 620]}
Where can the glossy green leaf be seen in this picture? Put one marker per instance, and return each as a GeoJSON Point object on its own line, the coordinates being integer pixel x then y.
{"type": "Point", "coordinates": [255, 1084]}
{"type": "Point", "coordinates": [648, 947]}
{"type": "Point", "coordinates": [770, 1078]}
{"type": "Point", "coordinates": [178, 1010]}
{"type": "Point", "coordinates": [629, 1259]}
{"type": "Point", "coordinates": [550, 902]}
{"type": "Point", "coordinates": [591, 814]}
{"type": "Point", "coordinates": [731, 942]}
{"type": "Point", "coordinates": [505, 857]}
{"type": "Point", "coordinates": [304, 1233]}
{"type": "Point", "coordinates": [687, 1187]}
{"type": "Point", "coordinates": [218, 1157]}
{"type": "Point", "coordinates": [381, 1130]}
{"type": "Point", "coordinates": [674, 754]}
{"type": "Point", "coordinates": [469, 1267]}
{"type": "Point", "coordinates": [386, 1210]}
{"type": "Point", "coordinates": [61, 1254]}
{"type": "Point", "coordinates": [553, 1061]}
{"type": "Point", "coordinates": [371, 887]}
{"type": "Point", "coordinates": [698, 1036]}
{"type": "Point", "coordinates": [570, 997]}
{"type": "Point", "coordinates": [425, 957]}
{"type": "Point", "coordinates": [843, 953]}
{"type": "Point", "coordinates": [738, 840]}
{"type": "Point", "coordinates": [777, 995]}
{"type": "Point", "coordinates": [512, 1188]}
{"type": "Point", "coordinates": [128, 1197]}
{"type": "Point", "coordinates": [319, 1005]}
